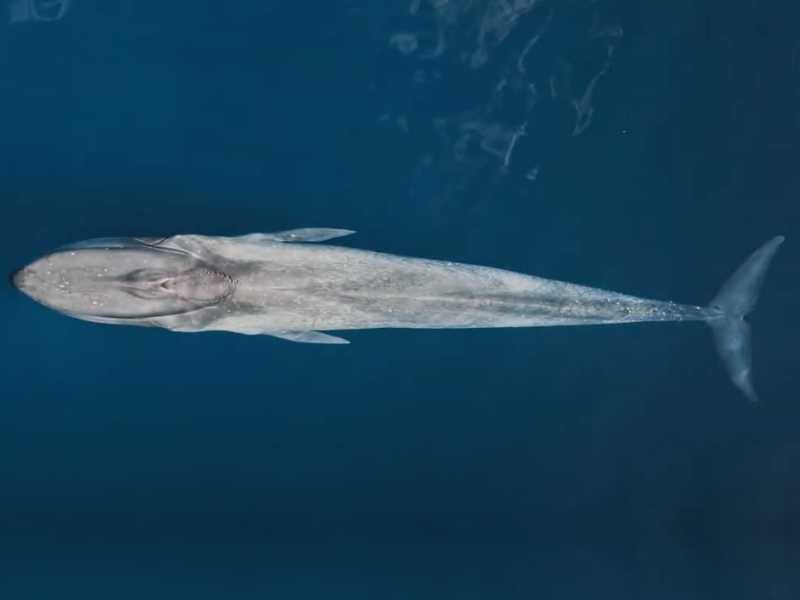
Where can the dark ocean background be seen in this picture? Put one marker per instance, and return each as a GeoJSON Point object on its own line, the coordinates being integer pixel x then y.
{"type": "Point", "coordinates": [660, 145]}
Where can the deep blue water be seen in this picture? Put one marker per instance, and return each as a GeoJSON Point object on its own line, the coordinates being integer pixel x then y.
{"type": "Point", "coordinates": [564, 463]}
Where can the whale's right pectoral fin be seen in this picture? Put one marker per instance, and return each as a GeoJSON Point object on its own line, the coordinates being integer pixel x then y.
{"type": "Point", "coordinates": [308, 337]}
{"type": "Point", "coordinates": [309, 234]}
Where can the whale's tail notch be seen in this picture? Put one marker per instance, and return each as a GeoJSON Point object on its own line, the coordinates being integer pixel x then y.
{"type": "Point", "coordinates": [736, 299]}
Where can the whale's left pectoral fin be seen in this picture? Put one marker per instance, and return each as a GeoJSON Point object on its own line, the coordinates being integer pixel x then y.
{"type": "Point", "coordinates": [308, 337]}
{"type": "Point", "coordinates": [296, 235]}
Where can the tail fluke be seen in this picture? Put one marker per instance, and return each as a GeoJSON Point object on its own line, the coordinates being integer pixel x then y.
{"type": "Point", "coordinates": [736, 299]}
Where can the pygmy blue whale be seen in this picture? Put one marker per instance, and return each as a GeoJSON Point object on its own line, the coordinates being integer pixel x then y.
{"type": "Point", "coordinates": [279, 284]}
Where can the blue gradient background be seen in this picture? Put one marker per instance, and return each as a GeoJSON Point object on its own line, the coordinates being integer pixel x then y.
{"type": "Point", "coordinates": [607, 462]}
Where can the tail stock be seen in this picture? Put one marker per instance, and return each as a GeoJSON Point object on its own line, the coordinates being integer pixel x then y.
{"type": "Point", "coordinates": [736, 299]}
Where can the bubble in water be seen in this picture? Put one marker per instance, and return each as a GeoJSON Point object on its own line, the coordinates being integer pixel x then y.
{"type": "Point", "coordinates": [21, 11]}
{"type": "Point", "coordinates": [405, 43]}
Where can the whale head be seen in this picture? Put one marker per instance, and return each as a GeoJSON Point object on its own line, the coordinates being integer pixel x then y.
{"type": "Point", "coordinates": [122, 279]}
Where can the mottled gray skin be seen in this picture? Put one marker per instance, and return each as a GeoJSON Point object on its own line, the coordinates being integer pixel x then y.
{"type": "Point", "coordinates": [260, 284]}
{"type": "Point", "coordinates": [269, 284]}
{"type": "Point", "coordinates": [305, 287]}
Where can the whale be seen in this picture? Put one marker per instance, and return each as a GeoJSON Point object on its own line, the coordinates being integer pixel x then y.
{"type": "Point", "coordinates": [289, 285]}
